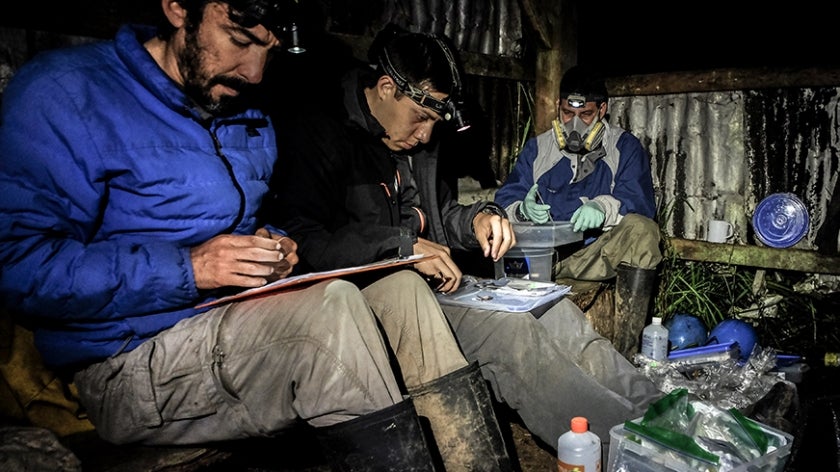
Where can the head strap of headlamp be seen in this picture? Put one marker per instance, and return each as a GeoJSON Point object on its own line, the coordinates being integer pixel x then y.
{"type": "Point", "coordinates": [578, 100]}
{"type": "Point", "coordinates": [445, 108]}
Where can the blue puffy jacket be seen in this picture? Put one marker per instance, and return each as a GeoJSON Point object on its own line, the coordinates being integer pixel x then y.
{"type": "Point", "coordinates": [108, 177]}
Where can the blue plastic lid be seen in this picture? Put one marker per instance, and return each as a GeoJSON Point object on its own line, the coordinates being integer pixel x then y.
{"type": "Point", "coordinates": [780, 220]}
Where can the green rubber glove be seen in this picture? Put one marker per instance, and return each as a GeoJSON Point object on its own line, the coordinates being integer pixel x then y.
{"type": "Point", "coordinates": [536, 212]}
{"type": "Point", "coordinates": [588, 216]}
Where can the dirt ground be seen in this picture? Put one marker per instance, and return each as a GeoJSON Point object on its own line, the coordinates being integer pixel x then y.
{"type": "Point", "coordinates": [260, 456]}
{"type": "Point", "coordinates": [532, 457]}
{"type": "Point", "coordinates": [294, 452]}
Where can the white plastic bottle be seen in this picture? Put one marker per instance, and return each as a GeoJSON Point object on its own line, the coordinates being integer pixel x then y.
{"type": "Point", "coordinates": [655, 340]}
{"type": "Point", "coordinates": [579, 450]}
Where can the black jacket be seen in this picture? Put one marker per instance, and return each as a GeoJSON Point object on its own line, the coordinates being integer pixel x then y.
{"type": "Point", "coordinates": [333, 189]}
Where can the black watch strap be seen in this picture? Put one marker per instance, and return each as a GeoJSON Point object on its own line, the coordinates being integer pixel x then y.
{"type": "Point", "coordinates": [494, 209]}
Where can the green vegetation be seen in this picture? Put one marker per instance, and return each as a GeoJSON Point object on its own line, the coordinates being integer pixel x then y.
{"type": "Point", "coordinates": [787, 317]}
{"type": "Point", "coordinates": [524, 113]}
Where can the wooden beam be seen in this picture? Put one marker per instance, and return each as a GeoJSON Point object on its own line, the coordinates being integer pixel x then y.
{"type": "Point", "coordinates": [535, 12]}
{"type": "Point", "coordinates": [722, 79]}
{"type": "Point", "coordinates": [755, 256]}
{"type": "Point", "coordinates": [547, 88]}
{"type": "Point", "coordinates": [552, 63]}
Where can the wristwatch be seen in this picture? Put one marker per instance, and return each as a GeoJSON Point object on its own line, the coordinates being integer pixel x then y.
{"type": "Point", "coordinates": [491, 208]}
{"type": "Point", "coordinates": [494, 209]}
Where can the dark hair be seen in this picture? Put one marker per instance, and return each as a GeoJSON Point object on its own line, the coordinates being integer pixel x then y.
{"type": "Point", "coordinates": [273, 14]}
{"type": "Point", "coordinates": [581, 80]}
{"type": "Point", "coordinates": [419, 58]}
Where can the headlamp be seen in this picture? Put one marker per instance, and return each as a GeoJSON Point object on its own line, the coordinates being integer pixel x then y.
{"type": "Point", "coordinates": [576, 101]}
{"type": "Point", "coordinates": [450, 109]}
{"type": "Point", "coordinates": [278, 16]}
{"type": "Point", "coordinates": [295, 44]}
{"type": "Point", "coordinates": [459, 118]}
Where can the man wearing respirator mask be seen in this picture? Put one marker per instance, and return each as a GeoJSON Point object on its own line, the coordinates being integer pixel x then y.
{"type": "Point", "coordinates": [596, 176]}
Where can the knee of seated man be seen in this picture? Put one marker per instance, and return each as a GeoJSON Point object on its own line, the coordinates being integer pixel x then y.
{"type": "Point", "coordinates": [647, 236]}
{"type": "Point", "coordinates": [404, 279]}
{"type": "Point", "coordinates": [342, 301]}
{"type": "Point", "coordinates": [640, 224]}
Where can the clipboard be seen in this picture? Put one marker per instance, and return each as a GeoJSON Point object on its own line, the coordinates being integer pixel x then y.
{"type": "Point", "coordinates": [298, 280]}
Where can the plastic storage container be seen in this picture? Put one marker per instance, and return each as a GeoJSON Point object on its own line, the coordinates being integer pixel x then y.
{"type": "Point", "coordinates": [627, 454]}
{"type": "Point", "coordinates": [533, 257]}
{"type": "Point", "coordinates": [526, 263]}
{"type": "Point", "coordinates": [655, 340]}
{"type": "Point", "coordinates": [579, 450]}
{"type": "Point", "coordinates": [548, 235]}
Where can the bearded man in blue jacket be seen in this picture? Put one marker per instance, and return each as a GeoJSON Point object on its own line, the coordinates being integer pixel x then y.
{"type": "Point", "coordinates": [131, 173]}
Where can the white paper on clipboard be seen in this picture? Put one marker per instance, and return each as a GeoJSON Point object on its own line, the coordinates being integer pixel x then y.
{"type": "Point", "coordinates": [298, 280]}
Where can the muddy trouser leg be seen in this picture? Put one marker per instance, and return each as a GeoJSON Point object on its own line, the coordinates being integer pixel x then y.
{"type": "Point", "coordinates": [245, 369]}
{"type": "Point", "coordinates": [415, 327]}
{"type": "Point", "coordinates": [549, 370]}
{"type": "Point", "coordinates": [446, 390]}
{"type": "Point", "coordinates": [629, 252]}
{"type": "Point", "coordinates": [634, 241]}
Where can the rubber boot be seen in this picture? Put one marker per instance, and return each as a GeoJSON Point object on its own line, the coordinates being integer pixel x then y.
{"type": "Point", "coordinates": [390, 439]}
{"type": "Point", "coordinates": [634, 289]}
{"type": "Point", "coordinates": [461, 416]}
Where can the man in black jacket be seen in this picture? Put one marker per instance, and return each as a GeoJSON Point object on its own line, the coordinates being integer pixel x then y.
{"type": "Point", "coordinates": [359, 183]}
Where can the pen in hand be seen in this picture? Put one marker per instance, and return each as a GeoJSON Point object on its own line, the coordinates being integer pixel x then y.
{"type": "Point", "coordinates": [540, 199]}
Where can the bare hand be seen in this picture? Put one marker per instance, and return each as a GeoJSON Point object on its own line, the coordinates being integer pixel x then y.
{"type": "Point", "coordinates": [237, 260]}
{"type": "Point", "coordinates": [494, 234]}
{"type": "Point", "coordinates": [442, 268]}
{"type": "Point", "coordinates": [289, 249]}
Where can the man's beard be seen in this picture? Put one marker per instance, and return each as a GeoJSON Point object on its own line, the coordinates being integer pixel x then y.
{"type": "Point", "coordinates": [197, 85]}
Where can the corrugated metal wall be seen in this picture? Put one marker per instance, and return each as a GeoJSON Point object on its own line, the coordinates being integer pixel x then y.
{"type": "Point", "coordinates": [491, 27]}
{"type": "Point", "coordinates": [717, 155]}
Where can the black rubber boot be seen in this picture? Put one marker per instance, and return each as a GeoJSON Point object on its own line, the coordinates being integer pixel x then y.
{"type": "Point", "coordinates": [390, 439]}
{"type": "Point", "coordinates": [461, 415]}
{"type": "Point", "coordinates": [634, 288]}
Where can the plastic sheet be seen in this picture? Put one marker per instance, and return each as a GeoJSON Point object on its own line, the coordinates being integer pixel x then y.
{"type": "Point", "coordinates": [725, 382]}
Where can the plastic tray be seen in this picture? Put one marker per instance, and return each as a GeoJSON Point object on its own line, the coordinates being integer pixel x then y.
{"type": "Point", "coordinates": [548, 235]}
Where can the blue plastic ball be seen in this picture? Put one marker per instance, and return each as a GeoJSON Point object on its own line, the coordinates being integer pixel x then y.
{"type": "Point", "coordinates": [685, 331]}
{"type": "Point", "coordinates": [733, 330]}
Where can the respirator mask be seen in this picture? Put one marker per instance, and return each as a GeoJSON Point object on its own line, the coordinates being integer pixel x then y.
{"type": "Point", "coordinates": [576, 136]}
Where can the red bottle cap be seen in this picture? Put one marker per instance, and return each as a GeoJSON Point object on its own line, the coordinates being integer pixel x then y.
{"type": "Point", "coordinates": [580, 424]}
